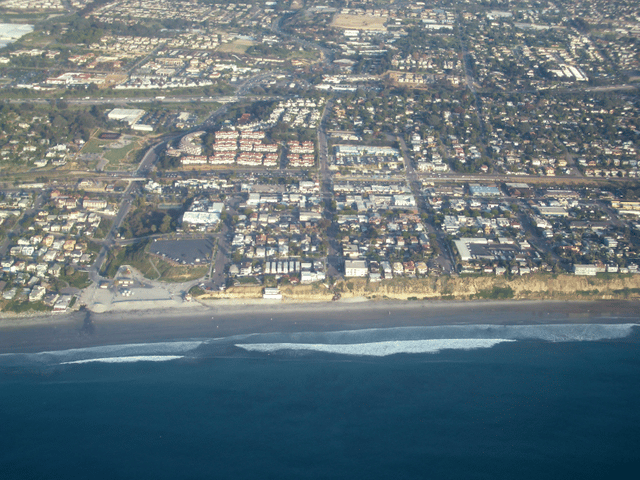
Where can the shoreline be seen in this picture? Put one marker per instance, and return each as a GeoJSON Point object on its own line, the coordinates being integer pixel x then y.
{"type": "Point", "coordinates": [223, 319]}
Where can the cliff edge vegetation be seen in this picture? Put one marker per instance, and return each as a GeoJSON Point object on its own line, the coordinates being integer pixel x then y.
{"type": "Point", "coordinates": [530, 287]}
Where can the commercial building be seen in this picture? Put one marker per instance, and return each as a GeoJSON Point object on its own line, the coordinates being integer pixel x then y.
{"type": "Point", "coordinates": [128, 115]}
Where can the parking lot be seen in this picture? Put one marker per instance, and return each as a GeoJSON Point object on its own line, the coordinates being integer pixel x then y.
{"type": "Point", "coordinates": [185, 252]}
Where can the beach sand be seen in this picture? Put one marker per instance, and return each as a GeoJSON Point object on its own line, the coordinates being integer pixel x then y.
{"type": "Point", "coordinates": [223, 318]}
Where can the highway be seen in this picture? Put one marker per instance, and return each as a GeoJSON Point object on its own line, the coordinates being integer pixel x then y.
{"type": "Point", "coordinates": [122, 101]}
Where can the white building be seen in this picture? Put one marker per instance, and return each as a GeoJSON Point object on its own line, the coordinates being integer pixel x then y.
{"type": "Point", "coordinates": [129, 115]}
{"type": "Point", "coordinates": [590, 270]}
{"type": "Point", "coordinates": [201, 218]}
{"type": "Point", "coordinates": [355, 268]}
{"type": "Point", "coordinates": [272, 293]}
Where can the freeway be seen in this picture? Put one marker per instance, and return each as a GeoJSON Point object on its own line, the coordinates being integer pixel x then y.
{"type": "Point", "coordinates": [327, 55]}
{"type": "Point", "coordinates": [224, 99]}
{"type": "Point", "coordinates": [468, 177]}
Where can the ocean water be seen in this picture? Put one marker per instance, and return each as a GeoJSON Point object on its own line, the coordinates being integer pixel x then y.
{"type": "Point", "coordinates": [468, 402]}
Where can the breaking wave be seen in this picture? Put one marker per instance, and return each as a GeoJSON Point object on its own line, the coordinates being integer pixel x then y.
{"type": "Point", "coordinates": [365, 342]}
{"type": "Point", "coordinates": [380, 349]}
{"type": "Point", "coordinates": [103, 353]}
{"type": "Point", "coordinates": [433, 339]}
{"type": "Point", "coordinates": [133, 359]}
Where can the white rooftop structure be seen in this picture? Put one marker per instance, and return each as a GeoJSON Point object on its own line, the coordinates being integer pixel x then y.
{"type": "Point", "coordinates": [201, 218]}
{"type": "Point", "coordinates": [129, 115]}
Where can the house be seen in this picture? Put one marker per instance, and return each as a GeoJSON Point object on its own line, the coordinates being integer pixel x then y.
{"type": "Point", "coordinates": [63, 303]}
{"type": "Point", "coordinates": [422, 268]}
{"type": "Point", "coordinates": [37, 293]}
{"type": "Point", "coordinates": [398, 268]}
{"type": "Point", "coordinates": [386, 268]}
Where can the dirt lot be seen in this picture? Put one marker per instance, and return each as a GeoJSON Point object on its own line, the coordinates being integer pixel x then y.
{"type": "Point", "coordinates": [237, 46]}
{"type": "Point", "coordinates": [360, 22]}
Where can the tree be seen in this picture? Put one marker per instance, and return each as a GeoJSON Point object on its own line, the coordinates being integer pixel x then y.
{"type": "Point", "coordinates": [166, 224]}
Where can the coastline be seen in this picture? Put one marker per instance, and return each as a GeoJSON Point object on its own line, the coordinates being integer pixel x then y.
{"type": "Point", "coordinates": [227, 318]}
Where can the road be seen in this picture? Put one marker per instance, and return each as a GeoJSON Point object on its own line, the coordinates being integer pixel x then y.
{"type": "Point", "coordinates": [334, 253]}
{"type": "Point", "coordinates": [445, 260]}
{"type": "Point", "coordinates": [217, 275]}
{"type": "Point", "coordinates": [323, 152]}
{"type": "Point", "coordinates": [109, 241]}
{"type": "Point", "coordinates": [223, 99]}
{"type": "Point", "coordinates": [144, 168]}
{"type": "Point", "coordinates": [327, 55]}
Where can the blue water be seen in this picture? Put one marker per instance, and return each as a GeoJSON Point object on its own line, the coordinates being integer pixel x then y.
{"type": "Point", "coordinates": [549, 403]}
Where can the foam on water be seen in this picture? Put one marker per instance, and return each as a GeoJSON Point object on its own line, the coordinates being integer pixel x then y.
{"type": "Point", "coordinates": [372, 341]}
{"type": "Point", "coordinates": [549, 333]}
{"type": "Point", "coordinates": [380, 349]}
{"type": "Point", "coordinates": [132, 359]}
{"type": "Point", "coordinates": [103, 352]}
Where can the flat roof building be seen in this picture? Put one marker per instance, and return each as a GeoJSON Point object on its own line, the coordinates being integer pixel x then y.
{"type": "Point", "coordinates": [355, 268]}
{"type": "Point", "coordinates": [129, 115]}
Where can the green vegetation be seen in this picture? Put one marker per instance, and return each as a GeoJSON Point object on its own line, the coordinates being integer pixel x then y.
{"type": "Point", "coordinates": [129, 255]}
{"type": "Point", "coordinates": [146, 219]}
{"type": "Point", "coordinates": [75, 278]}
{"type": "Point", "coordinates": [237, 46]}
{"type": "Point", "coordinates": [180, 273]}
{"type": "Point", "coordinates": [115, 155]}
{"type": "Point", "coordinates": [587, 293]}
{"type": "Point", "coordinates": [627, 292]}
{"type": "Point", "coordinates": [496, 293]}
{"type": "Point", "coordinates": [103, 229]}
{"type": "Point", "coordinates": [24, 306]}
{"type": "Point", "coordinates": [196, 291]}
{"type": "Point", "coordinates": [119, 154]}
{"type": "Point", "coordinates": [150, 266]}
{"type": "Point", "coordinates": [62, 123]}
{"type": "Point", "coordinates": [94, 146]}
{"type": "Point", "coordinates": [70, 277]}
{"type": "Point", "coordinates": [247, 281]}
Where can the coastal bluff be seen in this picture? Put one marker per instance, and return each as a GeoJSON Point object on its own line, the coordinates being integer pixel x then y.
{"type": "Point", "coordinates": [529, 287]}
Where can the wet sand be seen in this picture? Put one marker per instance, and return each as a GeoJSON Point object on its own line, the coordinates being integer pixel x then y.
{"type": "Point", "coordinates": [222, 319]}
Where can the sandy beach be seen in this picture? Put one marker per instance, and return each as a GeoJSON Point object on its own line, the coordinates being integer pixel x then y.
{"type": "Point", "coordinates": [224, 318]}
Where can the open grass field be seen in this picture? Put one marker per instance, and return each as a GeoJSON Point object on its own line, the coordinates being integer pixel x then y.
{"type": "Point", "coordinates": [94, 146]}
{"type": "Point", "coordinates": [359, 22]}
{"type": "Point", "coordinates": [120, 154]}
{"type": "Point", "coordinates": [156, 269]}
{"type": "Point", "coordinates": [115, 156]}
{"type": "Point", "coordinates": [237, 46]}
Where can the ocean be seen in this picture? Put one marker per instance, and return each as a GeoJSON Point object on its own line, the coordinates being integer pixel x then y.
{"type": "Point", "coordinates": [472, 402]}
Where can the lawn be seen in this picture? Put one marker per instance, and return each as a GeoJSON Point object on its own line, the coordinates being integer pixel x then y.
{"type": "Point", "coordinates": [237, 46]}
{"type": "Point", "coordinates": [119, 154]}
{"type": "Point", "coordinates": [94, 146]}
{"type": "Point", "coordinates": [113, 155]}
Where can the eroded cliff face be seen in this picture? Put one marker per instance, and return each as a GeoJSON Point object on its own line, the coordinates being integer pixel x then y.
{"type": "Point", "coordinates": [539, 286]}
{"type": "Point", "coordinates": [531, 287]}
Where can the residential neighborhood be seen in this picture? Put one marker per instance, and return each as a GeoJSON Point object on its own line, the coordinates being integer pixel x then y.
{"type": "Point", "coordinates": [288, 143]}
